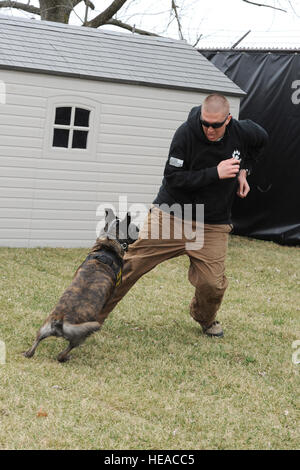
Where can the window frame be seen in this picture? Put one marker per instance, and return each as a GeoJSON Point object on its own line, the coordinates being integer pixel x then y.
{"type": "Point", "coordinates": [72, 102]}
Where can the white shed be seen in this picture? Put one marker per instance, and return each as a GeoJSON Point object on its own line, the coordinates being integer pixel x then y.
{"type": "Point", "coordinates": [87, 116]}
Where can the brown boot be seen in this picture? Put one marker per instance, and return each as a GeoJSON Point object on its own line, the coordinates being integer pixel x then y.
{"type": "Point", "coordinates": [214, 329]}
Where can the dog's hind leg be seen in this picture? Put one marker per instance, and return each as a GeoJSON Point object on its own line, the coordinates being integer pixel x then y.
{"type": "Point", "coordinates": [63, 356]}
{"type": "Point", "coordinates": [44, 332]}
{"type": "Point", "coordinates": [76, 334]}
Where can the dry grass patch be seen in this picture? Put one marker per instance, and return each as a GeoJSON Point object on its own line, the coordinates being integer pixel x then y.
{"type": "Point", "coordinates": [150, 379]}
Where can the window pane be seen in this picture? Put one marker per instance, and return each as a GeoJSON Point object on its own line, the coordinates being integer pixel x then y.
{"type": "Point", "coordinates": [82, 117]}
{"type": "Point", "coordinates": [79, 139]}
{"type": "Point", "coordinates": [63, 116]}
{"type": "Point", "coordinates": [60, 138]}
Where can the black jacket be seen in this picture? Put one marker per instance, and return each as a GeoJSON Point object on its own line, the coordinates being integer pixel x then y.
{"type": "Point", "coordinates": [191, 176]}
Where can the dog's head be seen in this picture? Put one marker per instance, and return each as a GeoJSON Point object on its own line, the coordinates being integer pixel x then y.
{"type": "Point", "coordinates": [124, 231]}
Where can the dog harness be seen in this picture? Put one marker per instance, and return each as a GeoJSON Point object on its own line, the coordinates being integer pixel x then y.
{"type": "Point", "coordinates": [111, 259]}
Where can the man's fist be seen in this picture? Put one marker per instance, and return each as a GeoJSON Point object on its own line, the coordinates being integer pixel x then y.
{"type": "Point", "coordinates": [228, 168]}
{"type": "Point", "coordinates": [244, 187]}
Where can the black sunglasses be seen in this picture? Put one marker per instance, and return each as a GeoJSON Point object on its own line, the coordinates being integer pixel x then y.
{"type": "Point", "coordinates": [214, 125]}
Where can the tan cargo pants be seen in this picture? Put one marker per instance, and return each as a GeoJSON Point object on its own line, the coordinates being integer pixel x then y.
{"type": "Point", "coordinates": [207, 264]}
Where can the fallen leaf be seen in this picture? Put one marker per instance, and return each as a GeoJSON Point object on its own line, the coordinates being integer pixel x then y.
{"type": "Point", "coordinates": [42, 414]}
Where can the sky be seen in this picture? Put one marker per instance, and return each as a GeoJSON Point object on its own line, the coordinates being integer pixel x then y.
{"type": "Point", "coordinates": [219, 22]}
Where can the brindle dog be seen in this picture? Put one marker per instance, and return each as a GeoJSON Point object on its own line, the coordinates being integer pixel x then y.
{"type": "Point", "coordinates": [78, 312]}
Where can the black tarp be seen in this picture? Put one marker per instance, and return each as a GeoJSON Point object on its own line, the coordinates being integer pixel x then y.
{"type": "Point", "coordinates": [271, 211]}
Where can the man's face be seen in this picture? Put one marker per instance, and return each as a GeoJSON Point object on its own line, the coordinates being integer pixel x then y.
{"type": "Point", "coordinates": [212, 118]}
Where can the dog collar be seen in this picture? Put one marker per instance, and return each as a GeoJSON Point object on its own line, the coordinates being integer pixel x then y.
{"type": "Point", "coordinates": [110, 259]}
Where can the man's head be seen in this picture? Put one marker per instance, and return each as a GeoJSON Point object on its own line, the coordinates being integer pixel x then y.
{"type": "Point", "coordinates": [215, 111]}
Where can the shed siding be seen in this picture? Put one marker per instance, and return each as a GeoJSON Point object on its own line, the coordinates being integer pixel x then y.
{"type": "Point", "coordinates": [50, 198]}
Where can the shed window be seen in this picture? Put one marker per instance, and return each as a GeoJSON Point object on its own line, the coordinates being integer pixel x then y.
{"type": "Point", "coordinates": [71, 127]}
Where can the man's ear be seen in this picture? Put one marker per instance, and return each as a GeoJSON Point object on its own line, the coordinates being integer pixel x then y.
{"type": "Point", "coordinates": [229, 118]}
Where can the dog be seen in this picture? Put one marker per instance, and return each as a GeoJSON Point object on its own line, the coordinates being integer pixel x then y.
{"type": "Point", "coordinates": [78, 312]}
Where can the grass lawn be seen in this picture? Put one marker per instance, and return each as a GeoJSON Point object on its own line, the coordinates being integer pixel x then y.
{"type": "Point", "coordinates": [150, 379]}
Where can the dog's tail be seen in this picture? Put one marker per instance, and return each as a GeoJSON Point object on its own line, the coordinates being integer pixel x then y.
{"type": "Point", "coordinates": [77, 333]}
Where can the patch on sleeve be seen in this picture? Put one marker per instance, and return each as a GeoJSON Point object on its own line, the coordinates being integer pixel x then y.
{"type": "Point", "coordinates": [176, 162]}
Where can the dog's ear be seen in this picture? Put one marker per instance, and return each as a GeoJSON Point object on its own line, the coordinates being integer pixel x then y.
{"type": "Point", "coordinates": [132, 229]}
{"type": "Point", "coordinates": [124, 223]}
{"type": "Point", "coordinates": [109, 215]}
{"type": "Point", "coordinates": [128, 218]}
{"type": "Point", "coordinates": [109, 218]}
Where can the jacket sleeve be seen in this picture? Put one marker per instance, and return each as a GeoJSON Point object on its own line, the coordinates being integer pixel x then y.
{"type": "Point", "coordinates": [255, 139]}
{"type": "Point", "coordinates": [177, 173]}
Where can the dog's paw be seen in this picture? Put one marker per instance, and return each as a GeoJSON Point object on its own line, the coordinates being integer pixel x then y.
{"type": "Point", "coordinates": [62, 358]}
{"type": "Point", "coordinates": [28, 354]}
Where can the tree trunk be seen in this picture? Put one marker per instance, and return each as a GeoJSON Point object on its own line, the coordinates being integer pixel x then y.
{"type": "Point", "coordinates": [56, 10]}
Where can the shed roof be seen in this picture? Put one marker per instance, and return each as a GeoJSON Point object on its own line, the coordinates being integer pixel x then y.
{"type": "Point", "coordinates": [55, 48]}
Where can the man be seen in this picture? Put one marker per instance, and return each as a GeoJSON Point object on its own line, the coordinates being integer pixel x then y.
{"type": "Point", "coordinates": [210, 156]}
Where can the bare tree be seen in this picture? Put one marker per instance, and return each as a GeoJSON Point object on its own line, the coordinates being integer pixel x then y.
{"type": "Point", "coordinates": [264, 5]}
{"type": "Point", "coordinates": [60, 11]}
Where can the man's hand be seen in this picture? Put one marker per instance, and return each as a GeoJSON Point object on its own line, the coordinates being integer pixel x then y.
{"type": "Point", "coordinates": [244, 187]}
{"type": "Point", "coordinates": [228, 168]}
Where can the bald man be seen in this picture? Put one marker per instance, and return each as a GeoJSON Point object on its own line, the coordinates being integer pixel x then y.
{"type": "Point", "coordinates": [210, 157]}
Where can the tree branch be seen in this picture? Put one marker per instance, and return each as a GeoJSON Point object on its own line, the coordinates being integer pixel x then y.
{"type": "Point", "coordinates": [119, 23]}
{"type": "Point", "coordinates": [174, 7]}
{"type": "Point", "coordinates": [74, 3]}
{"type": "Point", "coordinates": [263, 5]}
{"type": "Point", "coordinates": [89, 4]}
{"type": "Point", "coordinates": [197, 40]}
{"type": "Point", "coordinates": [290, 3]}
{"type": "Point", "coordinates": [106, 15]}
{"type": "Point", "coordinates": [20, 6]}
